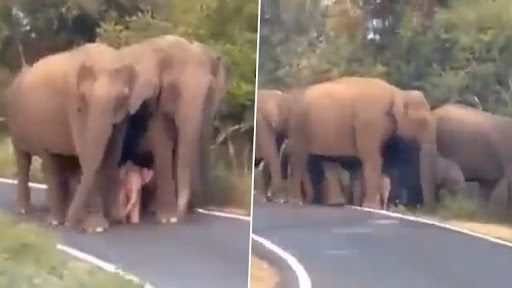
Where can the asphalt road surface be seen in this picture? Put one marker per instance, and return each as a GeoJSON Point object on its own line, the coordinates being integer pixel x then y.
{"type": "Point", "coordinates": [205, 251]}
{"type": "Point", "coordinates": [349, 248]}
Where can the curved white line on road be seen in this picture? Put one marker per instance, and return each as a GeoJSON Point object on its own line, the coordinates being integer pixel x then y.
{"type": "Point", "coordinates": [298, 269]}
{"type": "Point", "coordinates": [223, 214]}
{"type": "Point", "coordinates": [101, 264]}
{"type": "Point", "coordinates": [435, 223]}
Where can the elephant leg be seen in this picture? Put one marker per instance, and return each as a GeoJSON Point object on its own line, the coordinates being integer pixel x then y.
{"type": "Point", "coordinates": [333, 194]}
{"type": "Point", "coordinates": [356, 180]}
{"type": "Point", "coordinates": [162, 141]}
{"type": "Point", "coordinates": [307, 185]}
{"type": "Point", "coordinates": [54, 179]}
{"type": "Point", "coordinates": [23, 162]}
{"type": "Point", "coordinates": [202, 167]}
{"type": "Point", "coordinates": [299, 161]}
{"type": "Point", "coordinates": [372, 184]}
{"type": "Point", "coordinates": [108, 181]}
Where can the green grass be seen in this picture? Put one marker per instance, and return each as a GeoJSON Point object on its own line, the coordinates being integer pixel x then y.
{"type": "Point", "coordinates": [29, 258]}
{"type": "Point", "coordinates": [459, 207]}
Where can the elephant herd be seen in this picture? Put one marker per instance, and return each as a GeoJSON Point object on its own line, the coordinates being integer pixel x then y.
{"type": "Point", "coordinates": [87, 111]}
{"type": "Point", "coordinates": [378, 133]}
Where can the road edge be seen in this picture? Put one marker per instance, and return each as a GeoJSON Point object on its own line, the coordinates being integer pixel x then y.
{"type": "Point", "coordinates": [434, 223]}
{"type": "Point", "coordinates": [88, 258]}
{"type": "Point", "coordinates": [102, 264]}
{"type": "Point", "coordinates": [303, 278]}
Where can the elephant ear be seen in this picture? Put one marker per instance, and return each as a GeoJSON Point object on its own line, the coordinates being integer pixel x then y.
{"type": "Point", "coordinates": [417, 109]}
{"type": "Point", "coordinates": [86, 76]}
{"type": "Point", "coordinates": [126, 75]}
{"type": "Point", "coordinates": [150, 77]}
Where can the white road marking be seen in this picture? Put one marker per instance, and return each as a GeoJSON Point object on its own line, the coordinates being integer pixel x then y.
{"type": "Point", "coordinates": [383, 221]}
{"type": "Point", "coordinates": [103, 264]}
{"type": "Point", "coordinates": [351, 230]}
{"type": "Point", "coordinates": [341, 252]}
{"type": "Point", "coordinates": [223, 214]}
{"type": "Point", "coordinates": [438, 224]}
{"type": "Point", "coordinates": [302, 276]}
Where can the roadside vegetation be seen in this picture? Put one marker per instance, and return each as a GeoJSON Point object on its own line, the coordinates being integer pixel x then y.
{"type": "Point", "coordinates": [461, 211]}
{"type": "Point", "coordinates": [263, 275]}
{"type": "Point", "coordinates": [29, 258]}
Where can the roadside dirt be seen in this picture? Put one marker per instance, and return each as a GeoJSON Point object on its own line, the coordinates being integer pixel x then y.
{"type": "Point", "coordinates": [499, 231]}
{"type": "Point", "coordinates": [262, 274]}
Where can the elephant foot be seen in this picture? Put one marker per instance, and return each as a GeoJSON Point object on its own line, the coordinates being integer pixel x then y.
{"type": "Point", "coordinates": [296, 202]}
{"type": "Point", "coordinates": [371, 205]}
{"type": "Point", "coordinates": [23, 209]}
{"type": "Point", "coordinates": [95, 223]}
{"type": "Point", "coordinates": [166, 217]}
{"type": "Point", "coordinates": [182, 208]}
{"type": "Point", "coordinates": [55, 221]}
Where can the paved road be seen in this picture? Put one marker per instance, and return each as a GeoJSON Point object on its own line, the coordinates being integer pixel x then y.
{"type": "Point", "coordinates": [206, 251]}
{"type": "Point", "coordinates": [344, 247]}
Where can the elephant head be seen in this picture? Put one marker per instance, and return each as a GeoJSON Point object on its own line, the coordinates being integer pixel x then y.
{"type": "Point", "coordinates": [97, 112]}
{"type": "Point", "coordinates": [271, 127]}
{"type": "Point", "coordinates": [416, 122]}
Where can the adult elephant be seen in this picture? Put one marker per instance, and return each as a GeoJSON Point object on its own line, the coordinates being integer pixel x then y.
{"type": "Point", "coordinates": [354, 116]}
{"type": "Point", "coordinates": [182, 83]}
{"type": "Point", "coordinates": [73, 103]}
{"type": "Point", "coordinates": [479, 142]}
{"type": "Point", "coordinates": [272, 114]}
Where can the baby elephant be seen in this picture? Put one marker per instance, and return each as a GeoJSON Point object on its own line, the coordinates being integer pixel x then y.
{"type": "Point", "coordinates": [132, 178]}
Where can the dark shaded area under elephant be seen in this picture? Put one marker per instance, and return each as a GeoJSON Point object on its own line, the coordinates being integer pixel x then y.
{"type": "Point", "coordinates": [401, 164]}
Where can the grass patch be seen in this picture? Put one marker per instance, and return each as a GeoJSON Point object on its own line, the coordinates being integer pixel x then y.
{"type": "Point", "coordinates": [29, 258]}
{"type": "Point", "coordinates": [262, 274]}
{"type": "Point", "coordinates": [459, 210]}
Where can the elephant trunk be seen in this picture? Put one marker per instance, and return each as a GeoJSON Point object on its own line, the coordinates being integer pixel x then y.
{"type": "Point", "coordinates": [93, 146]}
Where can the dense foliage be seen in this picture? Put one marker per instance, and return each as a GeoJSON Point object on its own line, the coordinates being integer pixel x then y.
{"type": "Point", "coordinates": [32, 29]}
{"type": "Point", "coordinates": [454, 50]}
